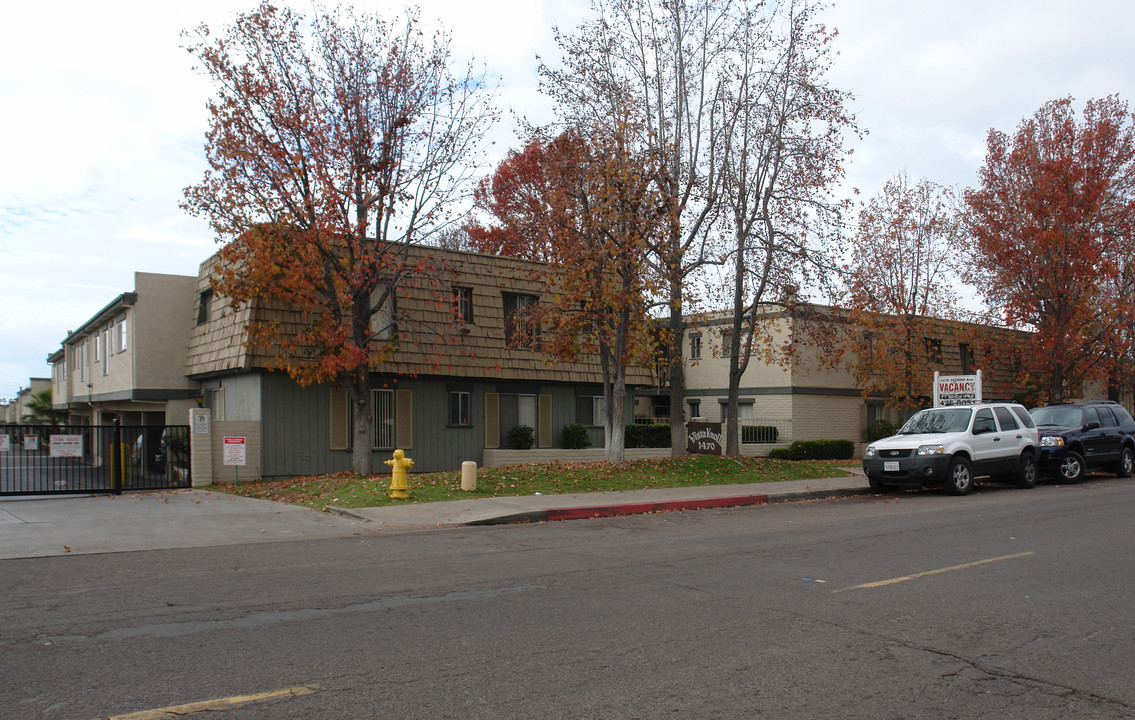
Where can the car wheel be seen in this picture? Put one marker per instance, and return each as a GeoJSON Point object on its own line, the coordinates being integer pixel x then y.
{"type": "Point", "coordinates": [877, 485]}
{"type": "Point", "coordinates": [1126, 464]}
{"type": "Point", "coordinates": [1071, 469]}
{"type": "Point", "coordinates": [1026, 471]}
{"type": "Point", "coordinates": [960, 479]}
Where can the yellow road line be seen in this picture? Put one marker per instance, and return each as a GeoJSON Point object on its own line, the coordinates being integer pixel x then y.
{"type": "Point", "coordinates": [205, 705]}
{"type": "Point", "coordinates": [928, 573]}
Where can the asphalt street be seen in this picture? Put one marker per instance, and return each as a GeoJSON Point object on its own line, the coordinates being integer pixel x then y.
{"type": "Point", "coordinates": [1007, 603]}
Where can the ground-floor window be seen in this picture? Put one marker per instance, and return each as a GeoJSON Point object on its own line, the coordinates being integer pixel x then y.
{"type": "Point", "coordinates": [383, 419]}
{"type": "Point", "coordinates": [590, 409]}
{"type": "Point", "coordinates": [460, 403]}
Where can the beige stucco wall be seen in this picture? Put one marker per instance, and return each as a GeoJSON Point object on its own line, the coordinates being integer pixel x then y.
{"type": "Point", "coordinates": [162, 320]}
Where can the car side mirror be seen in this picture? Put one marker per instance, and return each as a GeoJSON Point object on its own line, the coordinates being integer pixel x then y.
{"type": "Point", "coordinates": [1092, 425]}
{"type": "Point", "coordinates": [982, 429]}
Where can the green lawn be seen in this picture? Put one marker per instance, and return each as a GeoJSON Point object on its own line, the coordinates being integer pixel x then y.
{"type": "Point", "coordinates": [351, 490]}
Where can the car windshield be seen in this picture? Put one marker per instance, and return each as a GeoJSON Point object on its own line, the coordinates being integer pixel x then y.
{"type": "Point", "coordinates": [939, 420]}
{"type": "Point", "coordinates": [1057, 416]}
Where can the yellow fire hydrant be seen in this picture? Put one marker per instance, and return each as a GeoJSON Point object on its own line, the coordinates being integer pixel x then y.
{"type": "Point", "coordinates": [398, 483]}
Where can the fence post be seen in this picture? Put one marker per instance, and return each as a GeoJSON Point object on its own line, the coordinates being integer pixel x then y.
{"type": "Point", "coordinates": [116, 469]}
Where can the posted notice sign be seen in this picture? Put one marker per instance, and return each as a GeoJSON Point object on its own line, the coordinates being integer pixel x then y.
{"type": "Point", "coordinates": [957, 389]}
{"type": "Point", "coordinates": [66, 446]}
{"type": "Point", "coordinates": [235, 453]}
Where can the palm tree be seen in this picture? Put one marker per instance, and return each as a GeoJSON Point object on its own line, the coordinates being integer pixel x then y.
{"type": "Point", "coordinates": [40, 410]}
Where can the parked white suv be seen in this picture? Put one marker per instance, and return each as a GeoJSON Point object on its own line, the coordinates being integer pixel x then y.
{"type": "Point", "coordinates": [950, 446]}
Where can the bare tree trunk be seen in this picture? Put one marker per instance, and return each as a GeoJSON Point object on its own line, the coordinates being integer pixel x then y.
{"type": "Point", "coordinates": [362, 454]}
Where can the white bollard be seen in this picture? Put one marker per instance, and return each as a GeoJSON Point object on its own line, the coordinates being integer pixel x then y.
{"type": "Point", "coordinates": [469, 476]}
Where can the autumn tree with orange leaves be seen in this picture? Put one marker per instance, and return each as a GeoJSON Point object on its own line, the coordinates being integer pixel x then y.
{"type": "Point", "coordinates": [1053, 239]}
{"type": "Point", "coordinates": [902, 279]}
{"type": "Point", "coordinates": [588, 204]}
{"type": "Point", "coordinates": [335, 144]}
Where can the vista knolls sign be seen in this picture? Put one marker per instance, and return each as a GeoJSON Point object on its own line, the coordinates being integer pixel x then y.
{"type": "Point", "coordinates": [703, 438]}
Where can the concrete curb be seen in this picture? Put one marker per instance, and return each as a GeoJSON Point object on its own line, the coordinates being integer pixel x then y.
{"type": "Point", "coordinates": [642, 508]}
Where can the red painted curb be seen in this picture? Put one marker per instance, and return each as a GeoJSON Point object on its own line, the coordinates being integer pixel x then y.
{"type": "Point", "coordinates": [651, 507]}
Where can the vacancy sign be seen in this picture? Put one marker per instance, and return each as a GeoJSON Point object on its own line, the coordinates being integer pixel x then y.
{"type": "Point", "coordinates": [957, 389]}
{"type": "Point", "coordinates": [235, 453]}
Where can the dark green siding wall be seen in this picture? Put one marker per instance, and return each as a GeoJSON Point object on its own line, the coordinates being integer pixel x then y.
{"type": "Point", "coordinates": [295, 425]}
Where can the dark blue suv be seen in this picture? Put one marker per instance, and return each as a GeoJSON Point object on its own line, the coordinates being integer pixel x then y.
{"type": "Point", "coordinates": [1077, 437]}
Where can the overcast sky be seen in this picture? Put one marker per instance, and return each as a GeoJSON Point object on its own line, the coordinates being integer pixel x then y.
{"type": "Point", "coordinates": [103, 121]}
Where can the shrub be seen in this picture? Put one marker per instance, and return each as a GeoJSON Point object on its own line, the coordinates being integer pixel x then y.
{"type": "Point", "coordinates": [521, 437]}
{"type": "Point", "coordinates": [575, 437]}
{"type": "Point", "coordinates": [759, 433]}
{"type": "Point", "coordinates": [647, 436]}
{"type": "Point", "coordinates": [880, 429]}
{"type": "Point", "coordinates": [815, 450]}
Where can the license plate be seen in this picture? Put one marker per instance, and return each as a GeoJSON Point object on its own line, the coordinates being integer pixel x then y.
{"type": "Point", "coordinates": [891, 466]}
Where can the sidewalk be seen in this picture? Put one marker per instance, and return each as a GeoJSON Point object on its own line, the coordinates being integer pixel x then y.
{"type": "Point", "coordinates": [47, 526]}
{"type": "Point", "coordinates": [539, 508]}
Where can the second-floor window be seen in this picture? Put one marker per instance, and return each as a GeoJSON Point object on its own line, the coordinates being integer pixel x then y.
{"type": "Point", "coordinates": [463, 304]}
{"type": "Point", "coordinates": [519, 329]}
{"type": "Point", "coordinates": [121, 325]}
{"type": "Point", "coordinates": [204, 306]}
{"type": "Point", "coordinates": [695, 346]}
{"type": "Point", "coordinates": [933, 349]}
{"type": "Point", "coordinates": [966, 353]}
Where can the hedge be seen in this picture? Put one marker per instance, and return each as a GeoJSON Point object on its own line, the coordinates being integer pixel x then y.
{"type": "Point", "coordinates": [647, 436]}
{"type": "Point", "coordinates": [815, 450]}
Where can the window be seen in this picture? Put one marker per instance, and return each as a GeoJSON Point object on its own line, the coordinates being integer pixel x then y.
{"type": "Point", "coordinates": [204, 306]}
{"type": "Point", "coordinates": [460, 403]}
{"type": "Point", "coordinates": [1107, 419]}
{"type": "Point", "coordinates": [463, 304]}
{"type": "Point", "coordinates": [933, 349]}
{"type": "Point", "coordinates": [519, 330]}
{"type": "Point", "coordinates": [98, 347]}
{"type": "Point", "coordinates": [383, 401]}
{"type": "Point", "coordinates": [106, 344]}
{"type": "Point", "coordinates": [215, 402]}
{"type": "Point", "coordinates": [695, 408]}
{"type": "Point", "coordinates": [121, 325]}
{"type": "Point", "coordinates": [745, 414]}
{"type": "Point", "coordinates": [983, 421]}
{"type": "Point", "coordinates": [384, 305]}
{"type": "Point", "coordinates": [966, 353]}
{"type": "Point", "coordinates": [726, 342]}
{"type": "Point", "coordinates": [695, 346]}
{"type": "Point", "coordinates": [1005, 419]}
{"type": "Point", "coordinates": [590, 410]}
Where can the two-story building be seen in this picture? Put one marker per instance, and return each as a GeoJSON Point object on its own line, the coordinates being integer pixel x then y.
{"type": "Point", "coordinates": [452, 391]}
{"type": "Point", "coordinates": [127, 361]}
{"type": "Point", "coordinates": [801, 395]}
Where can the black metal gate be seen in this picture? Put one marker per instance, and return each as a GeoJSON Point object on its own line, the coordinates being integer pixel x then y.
{"type": "Point", "coordinates": [42, 460]}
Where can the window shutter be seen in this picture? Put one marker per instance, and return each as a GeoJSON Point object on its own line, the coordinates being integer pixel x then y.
{"type": "Point", "coordinates": [492, 420]}
{"type": "Point", "coordinates": [340, 419]}
{"type": "Point", "coordinates": [545, 423]}
{"type": "Point", "coordinates": [404, 419]}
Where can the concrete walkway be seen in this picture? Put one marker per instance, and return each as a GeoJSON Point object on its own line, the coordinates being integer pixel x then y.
{"type": "Point", "coordinates": [47, 526]}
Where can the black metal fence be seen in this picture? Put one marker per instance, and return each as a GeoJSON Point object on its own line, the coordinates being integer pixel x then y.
{"type": "Point", "coordinates": [43, 460]}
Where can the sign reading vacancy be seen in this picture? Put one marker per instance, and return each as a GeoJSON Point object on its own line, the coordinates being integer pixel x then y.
{"type": "Point", "coordinates": [66, 446]}
{"type": "Point", "coordinates": [703, 438]}
{"type": "Point", "coordinates": [235, 453]}
{"type": "Point", "coordinates": [957, 389]}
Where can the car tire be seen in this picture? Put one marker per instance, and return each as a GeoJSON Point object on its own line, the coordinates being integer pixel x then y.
{"type": "Point", "coordinates": [959, 480]}
{"type": "Point", "coordinates": [1071, 469]}
{"type": "Point", "coordinates": [1026, 471]}
{"type": "Point", "coordinates": [1126, 464]}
